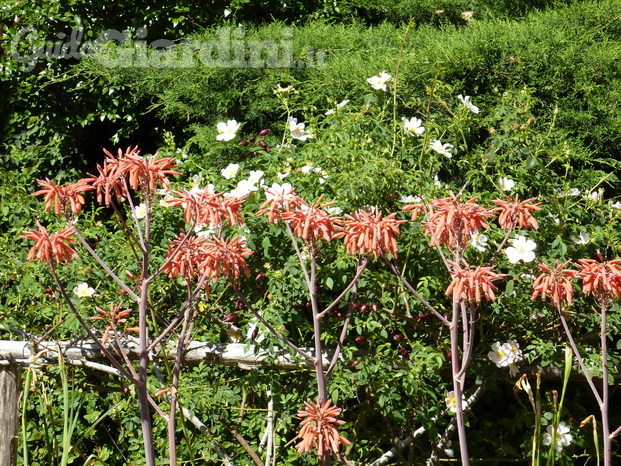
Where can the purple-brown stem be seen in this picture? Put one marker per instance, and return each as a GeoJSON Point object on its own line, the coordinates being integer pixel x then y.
{"type": "Point", "coordinates": [502, 245]}
{"type": "Point", "coordinates": [143, 354]}
{"type": "Point", "coordinates": [574, 348]}
{"type": "Point", "coordinates": [103, 265]}
{"type": "Point", "coordinates": [416, 294]}
{"type": "Point", "coordinates": [458, 383]}
{"type": "Point", "coordinates": [339, 346]}
{"type": "Point", "coordinates": [605, 396]}
{"type": "Point", "coordinates": [172, 418]}
{"type": "Point", "coordinates": [275, 332]}
{"type": "Point", "coordinates": [179, 316]}
{"type": "Point", "coordinates": [361, 266]}
{"type": "Point", "coordinates": [88, 329]}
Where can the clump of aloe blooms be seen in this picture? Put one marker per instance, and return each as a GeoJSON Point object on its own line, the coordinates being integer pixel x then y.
{"type": "Point", "coordinates": [451, 223]}
{"type": "Point", "coordinates": [121, 181]}
{"type": "Point", "coordinates": [602, 280]}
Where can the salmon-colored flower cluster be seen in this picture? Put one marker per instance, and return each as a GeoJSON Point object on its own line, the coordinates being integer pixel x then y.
{"type": "Point", "coordinates": [227, 257]}
{"type": "Point", "coordinates": [187, 259]}
{"type": "Point", "coordinates": [452, 222]}
{"type": "Point", "coordinates": [51, 247]}
{"type": "Point", "coordinates": [208, 208]}
{"type": "Point", "coordinates": [280, 198]}
{"type": "Point", "coordinates": [311, 222]}
{"type": "Point", "coordinates": [213, 257]}
{"type": "Point", "coordinates": [415, 209]}
{"type": "Point", "coordinates": [473, 284]}
{"type": "Point", "coordinates": [600, 278]}
{"type": "Point", "coordinates": [63, 198]}
{"type": "Point", "coordinates": [115, 316]}
{"type": "Point", "coordinates": [514, 212]}
{"type": "Point", "coordinates": [370, 233]}
{"type": "Point", "coordinates": [144, 173]}
{"type": "Point", "coordinates": [555, 284]}
{"type": "Point", "coordinates": [110, 182]}
{"type": "Point", "coordinates": [318, 429]}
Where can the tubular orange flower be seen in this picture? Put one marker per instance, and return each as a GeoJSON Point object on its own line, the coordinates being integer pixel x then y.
{"type": "Point", "coordinates": [188, 259]}
{"type": "Point", "coordinates": [473, 284]}
{"type": "Point", "coordinates": [452, 222]}
{"type": "Point", "coordinates": [369, 232]}
{"type": "Point", "coordinates": [51, 247]}
{"type": "Point", "coordinates": [555, 284]}
{"type": "Point", "coordinates": [311, 222]}
{"type": "Point", "coordinates": [113, 317]}
{"type": "Point", "coordinates": [226, 257]}
{"type": "Point", "coordinates": [208, 208]}
{"type": "Point", "coordinates": [600, 278]}
{"type": "Point", "coordinates": [64, 198]}
{"type": "Point", "coordinates": [416, 209]}
{"type": "Point", "coordinates": [280, 198]}
{"type": "Point", "coordinates": [514, 212]}
{"type": "Point", "coordinates": [148, 172]}
{"type": "Point", "coordinates": [319, 429]}
{"type": "Point", "coordinates": [109, 184]}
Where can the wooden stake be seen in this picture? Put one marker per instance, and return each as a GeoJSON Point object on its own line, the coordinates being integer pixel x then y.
{"type": "Point", "coordinates": [9, 395]}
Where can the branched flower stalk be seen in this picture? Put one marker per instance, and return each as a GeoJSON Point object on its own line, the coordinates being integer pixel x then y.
{"type": "Point", "coordinates": [365, 233]}
{"type": "Point", "coordinates": [450, 222]}
{"type": "Point", "coordinates": [602, 279]}
{"type": "Point", "coordinates": [196, 260]}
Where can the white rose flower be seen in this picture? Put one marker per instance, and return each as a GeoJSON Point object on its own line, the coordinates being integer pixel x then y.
{"type": "Point", "coordinates": [469, 105]}
{"type": "Point", "coordinates": [479, 241]}
{"type": "Point", "coordinates": [244, 187]}
{"type": "Point", "coordinates": [255, 176]}
{"type": "Point", "coordinates": [84, 291]}
{"type": "Point", "coordinates": [451, 402]}
{"type": "Point", "coordinates": [227, 130]}
{"type": "Point", "coordinates": [413, 126]}
{"type": "Point", "coordinates": [379, 82]}
{"type": "Point", "coordinates": [582, 238]}
{"type": "Point", "coordinates": [298, 130]}
{"type": "Point", "coordinates": [283, 90]}
{"type": "Point", "coordinates": [411, 199]}
{"type": "Point", "coordinates": [141, 210]}
{"type": "Point", "coordinates": [230, 171]}
{"type": "Point", "coordinates": [339, 105]}
{"type": "Point", "coordinates": [506, 184]}
{"type": "Point", "coordinates": [442, 149]}
{"type": "Point", "coordinates": [522, 249]}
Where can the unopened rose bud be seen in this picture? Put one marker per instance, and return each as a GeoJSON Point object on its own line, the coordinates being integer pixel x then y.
{"type": "Point", "coordinates": [264, 132]}
{"type": "Point", "coordinates": [262, 144]}
{"type": "Point", "coordinates": [243, 143]}
{"type": "Point", "coordinates": [232, 317]}
{"type": "Point", "coordinates": [361, 339]}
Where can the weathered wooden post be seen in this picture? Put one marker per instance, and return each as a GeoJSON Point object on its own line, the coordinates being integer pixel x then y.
{"type": "Point", "coordinates": [9, 396]}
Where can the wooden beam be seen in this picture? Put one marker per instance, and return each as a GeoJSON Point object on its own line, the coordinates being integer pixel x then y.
{"type": "Point", "coordinates": [243, 355]}
{"type": "Point", "coordinates": [9, 396]}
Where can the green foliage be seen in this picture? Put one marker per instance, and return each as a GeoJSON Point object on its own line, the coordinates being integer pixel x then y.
{"type": "Point", "coordinates": [547, 84]}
